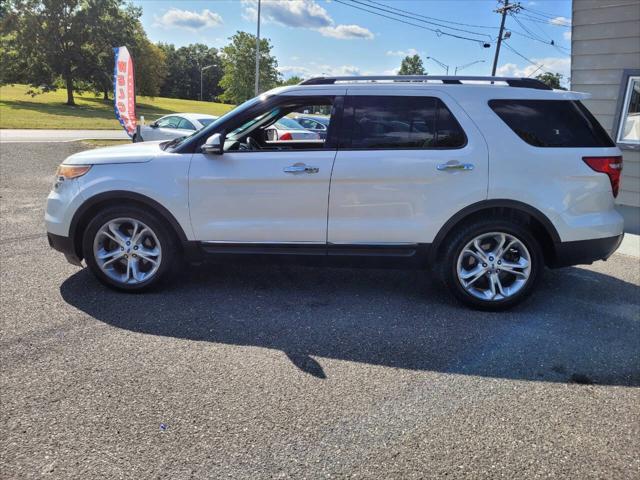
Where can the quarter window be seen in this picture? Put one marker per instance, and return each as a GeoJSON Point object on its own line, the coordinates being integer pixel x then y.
{"type": "Point", "coordinates": [552, 123]}
{"type": "Point", "coordinates": [398, 122]}
{"type": "Point", "coordinates": [186, 124]}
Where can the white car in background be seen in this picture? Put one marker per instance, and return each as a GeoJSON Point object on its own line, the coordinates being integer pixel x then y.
{"type": "Point", "coordinates": [288, 129]}
{"type": "Point", "coordinates": [173, 126]}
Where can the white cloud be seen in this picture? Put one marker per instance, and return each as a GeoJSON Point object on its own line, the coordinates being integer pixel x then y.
{"type": "Point", "coordinates": [290, 13]}
{"type": "Point", "coordinates": [563, 21]}
{"type": "Point", "coordinates": [302, 14]}
{"type": "Point", "coordinates": [346, 32]}
{"type": "Point", "coordinates": [393, 71]}
{"type": "Point", "coordinates": [177, 18]}
{"type": "Point", "coordinates": [550, 64]}
{"type": "Point", "coordinates": [319, 70]}
{"type": "Point", "coordinates": [567, 35]}
{"type": "Point", "coordinates": [403, 53]}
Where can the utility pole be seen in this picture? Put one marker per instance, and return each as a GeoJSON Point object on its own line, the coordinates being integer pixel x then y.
{"type": "Point", "coordinates": [258, 54]}
{"type": "Point", "coordinates": [504, 10]}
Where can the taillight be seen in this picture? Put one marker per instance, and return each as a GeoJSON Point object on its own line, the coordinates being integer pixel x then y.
{"type": "Point", "coordinates": [612, 166]}
{"type": "Point", "coordinates": [286, 136]}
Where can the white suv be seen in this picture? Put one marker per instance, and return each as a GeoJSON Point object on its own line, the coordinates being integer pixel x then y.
{"type": "Point", "coordinates": [483, 179]}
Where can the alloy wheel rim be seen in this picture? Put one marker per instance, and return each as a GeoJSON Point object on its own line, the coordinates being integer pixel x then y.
{"type": "Point", "coordinates": [127, 251]}
{"type": "Point", "coordinates": [494, 266]}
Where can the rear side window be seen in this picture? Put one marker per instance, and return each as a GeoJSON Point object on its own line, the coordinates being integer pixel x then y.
{"type": "Point", "coordinates": [394, 122]}
{"type": "Point", "coordinates": [552, 123]}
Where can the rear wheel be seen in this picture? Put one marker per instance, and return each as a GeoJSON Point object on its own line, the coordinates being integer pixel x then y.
{"type": "Point", "coordinates": [492, 264]}
{"type": "Point", "coordinates": [128, 249]}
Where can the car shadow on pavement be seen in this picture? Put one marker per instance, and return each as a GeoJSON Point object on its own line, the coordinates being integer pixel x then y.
{"type": "Point", "coordinates": [579, 327]}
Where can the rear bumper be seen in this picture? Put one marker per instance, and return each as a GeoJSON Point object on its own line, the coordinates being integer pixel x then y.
{"type": "Point", "coordinates": [64, 245]}
{"type": "Point", "coordinates": [584, 252]}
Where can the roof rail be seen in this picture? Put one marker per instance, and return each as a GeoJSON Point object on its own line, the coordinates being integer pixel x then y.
{"type": "Point", "coordinates": [518, 82]}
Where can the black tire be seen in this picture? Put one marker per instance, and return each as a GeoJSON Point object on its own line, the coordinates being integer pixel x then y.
{"type": "Point", "coordinates": [456, 242]}
{"type": "Point", "coordinates": [137, 138]}
{"type": "Point", "coordinates": [165, 237]}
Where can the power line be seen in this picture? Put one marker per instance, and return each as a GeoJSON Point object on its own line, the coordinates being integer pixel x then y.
{"type": "Point", "coordinates": [431, 18]}
{"type": "Point", "coordinates": [522, 56]}
{"type": "Point", "coordinates": [436, 31]}
{"type": "Point", "coordinates": [545, 21]}
{"type": "Point", "coordinates": [541, 13]}
{"type": "Point", "coordinates": [412, 17]}
{"type": "Point", "coordinates": [545, 18]}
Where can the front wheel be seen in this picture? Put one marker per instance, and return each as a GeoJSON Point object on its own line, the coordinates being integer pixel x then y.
{"type": "Point", "coordinates": [492, 265]}
{"type": "Point", "coordinates": [128, 249]}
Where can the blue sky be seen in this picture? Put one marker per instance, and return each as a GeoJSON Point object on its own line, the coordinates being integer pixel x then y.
{"type": "Point", "coordinates": [315, 37]}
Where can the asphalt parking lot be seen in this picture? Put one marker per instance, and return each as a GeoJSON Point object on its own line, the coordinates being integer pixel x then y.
{"type": "Point", "coordinates": [295, 372]}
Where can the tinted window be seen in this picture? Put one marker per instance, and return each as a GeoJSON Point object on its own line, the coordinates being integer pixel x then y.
{"type": "Point", "coordinates": [206, 121]}
{"type": "Point", "coordinates": [552, 123]}
{"type": "Point", "coordinates": [402, 123]}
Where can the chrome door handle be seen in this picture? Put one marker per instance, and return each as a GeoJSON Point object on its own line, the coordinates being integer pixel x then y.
{"type": "Point", "coordinates": [454, 166]}
{"type": "Point", "coordinates": [300, 169]}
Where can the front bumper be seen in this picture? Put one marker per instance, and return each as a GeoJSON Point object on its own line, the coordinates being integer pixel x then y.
{"type": "Point", "coordinates": [585, 252]}
{"type": "Point", "coordinates": [66, 246]}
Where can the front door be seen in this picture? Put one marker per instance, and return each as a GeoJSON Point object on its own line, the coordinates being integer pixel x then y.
{"type": "Point", "coordinates": [259, 191]}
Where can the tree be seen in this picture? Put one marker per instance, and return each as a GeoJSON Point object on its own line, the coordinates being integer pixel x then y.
{"type": "Point", "coordinates": [551, 79]}
{"type": "Point", "coordinates": [150, 65]}
{"type": "Point", "coordinates": [238, 61]}
{"type": "Point", "coordinates": [67, 39]}
{"type": "Point", "coordinates": [290, 81]}
{"type": "Point", "coordinates": [183, 67]}
{"type": "Point", "coordinates": [411, 65]}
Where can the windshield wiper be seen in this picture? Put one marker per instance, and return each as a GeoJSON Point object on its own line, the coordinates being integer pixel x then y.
{"type": "Point", "coordinates": [173, 142]}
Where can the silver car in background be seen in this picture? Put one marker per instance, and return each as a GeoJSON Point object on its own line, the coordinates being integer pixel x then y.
{"type": "Point", "coordinates": [288, 129]}
{"type": "Point", "coordinates": [173, 126]}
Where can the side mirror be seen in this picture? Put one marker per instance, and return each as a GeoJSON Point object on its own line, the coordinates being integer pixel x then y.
{"type": "Point", "coordinates": [213, 145]}
{"type": "Point", "coordinates": [154, 125]}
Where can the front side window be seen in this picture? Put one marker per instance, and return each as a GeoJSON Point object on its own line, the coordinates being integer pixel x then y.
{"type": "Point", "coordinates": [274, 128]}
{"type": "Point", "coordinates": [552, 123]}
{"type": "Point", "coordinates": [169, 122]}
{"type": "Point", "coordinates": [398, 122]}
{"type": "Point", "coordinates": [629, 129]}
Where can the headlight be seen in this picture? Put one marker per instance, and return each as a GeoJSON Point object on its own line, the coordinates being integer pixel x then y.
{"type": "Point", "coordinates": [67, 172]}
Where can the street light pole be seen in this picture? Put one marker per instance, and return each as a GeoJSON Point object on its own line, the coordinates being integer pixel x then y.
{"type": "Point", "coordinates": [201, 71]}
{"type": "Point", "coordinates": [460, 67]}
{"type": "Point", "coordinates": [446, 67]}
{"type": "Point", "coordinates": [258, 54]}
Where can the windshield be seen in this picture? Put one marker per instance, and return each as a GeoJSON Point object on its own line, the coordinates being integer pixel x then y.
{"type": "Point", "coordinates": [179, 142]}
{"type": "Point", "coordinates": [288, 123]}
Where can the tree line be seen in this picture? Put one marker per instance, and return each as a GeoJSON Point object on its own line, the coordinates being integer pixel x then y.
{"type": "Point", "coordinates": [51, 44]}
{"type": "Point", "coordinates": [412, 65]}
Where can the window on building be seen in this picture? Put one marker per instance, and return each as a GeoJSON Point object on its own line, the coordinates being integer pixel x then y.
{"type": "Point", "coordinates": [629, 125]}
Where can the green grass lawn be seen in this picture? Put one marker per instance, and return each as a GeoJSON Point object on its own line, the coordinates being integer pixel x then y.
{"type": "Point", "coordinates": [19, 110]}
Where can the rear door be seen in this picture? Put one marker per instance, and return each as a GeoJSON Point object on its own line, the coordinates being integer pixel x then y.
{"type": "Point", "coordinates": [408, 160]}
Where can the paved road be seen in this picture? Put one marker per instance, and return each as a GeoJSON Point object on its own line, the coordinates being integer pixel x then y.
{"type": "Point", "coordinates": [54, 136]}
{"type": "Point", "coordinates": [257, 372]}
